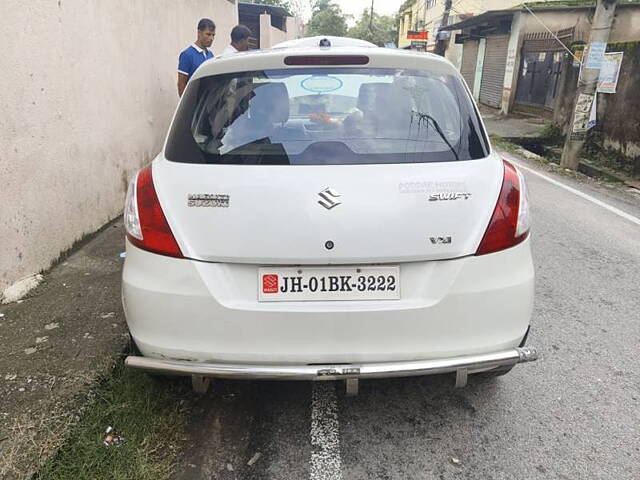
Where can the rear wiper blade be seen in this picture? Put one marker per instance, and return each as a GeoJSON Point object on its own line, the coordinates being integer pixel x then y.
{"type": "Point", "coordinates": [436, 125]}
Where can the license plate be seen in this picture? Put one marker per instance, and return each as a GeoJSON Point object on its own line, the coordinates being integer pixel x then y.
{"type": "Point", "coordinates": [323, 284]}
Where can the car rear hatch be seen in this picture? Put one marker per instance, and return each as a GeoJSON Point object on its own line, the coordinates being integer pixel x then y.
{"type": "Point", "coordinates": [288, 214]}
{"type": "Point", "coordinates": [329, 165]}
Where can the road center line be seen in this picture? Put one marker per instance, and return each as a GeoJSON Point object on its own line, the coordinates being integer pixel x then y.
{"type": "Point", "coordinates": [580, 194]}
{"type": "Point", "coordinates": [326, 463]}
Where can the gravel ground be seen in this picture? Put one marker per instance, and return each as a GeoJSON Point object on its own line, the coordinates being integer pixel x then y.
{"type": "Point", "coordinates": [55, 343]}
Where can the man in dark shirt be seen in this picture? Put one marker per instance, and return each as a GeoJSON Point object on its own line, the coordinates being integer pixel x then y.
{"type": "Point", "coordinates": [191, 58]}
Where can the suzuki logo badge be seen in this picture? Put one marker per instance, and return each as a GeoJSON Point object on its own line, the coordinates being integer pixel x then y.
{"type": "Point", "coordinates": [328, 198]}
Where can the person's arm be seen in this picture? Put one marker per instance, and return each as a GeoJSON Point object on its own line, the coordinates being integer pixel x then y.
{"type": "Point", "coordinates": [182, 83]}
{"type": "Point", "coordinates": [184, 69]}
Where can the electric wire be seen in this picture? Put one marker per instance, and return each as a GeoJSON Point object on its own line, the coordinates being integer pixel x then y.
{"type": "Point", "coordinates": [524, 4]}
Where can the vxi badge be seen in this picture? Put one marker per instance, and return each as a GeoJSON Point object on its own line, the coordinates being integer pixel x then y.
{"type": "Point", "coordinates": [440, 240]}
{"type": "Point", "coordinates": [434, 197]}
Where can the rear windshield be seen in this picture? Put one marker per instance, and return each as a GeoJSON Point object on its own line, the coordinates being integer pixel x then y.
{"type": "Point", "coordinates": [328, 116]}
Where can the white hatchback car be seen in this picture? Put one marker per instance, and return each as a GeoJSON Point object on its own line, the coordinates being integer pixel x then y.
{"type": "Point", "coordinates": [323, 213]}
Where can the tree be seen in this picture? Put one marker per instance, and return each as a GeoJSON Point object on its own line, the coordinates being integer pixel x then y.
{"type": "Point", "coordinates": [299, 8]}
{"type": "Point", "coordinates": [326, 19]}
{"type": "Point", "coordinates": [296, 8]}
{"type": "Point", "coordinates": [278, 3]}
{"type": "Point", "coordinates": [383, 29]}
{"type": "Point", "coordinates": [319, 5]}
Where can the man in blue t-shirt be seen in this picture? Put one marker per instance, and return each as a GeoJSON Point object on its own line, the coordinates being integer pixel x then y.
{"type": "Point", "coordinates": [191, 58]}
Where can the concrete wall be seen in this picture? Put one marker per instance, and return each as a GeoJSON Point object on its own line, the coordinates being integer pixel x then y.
{"type": "Point", "coordinates": [557, 20]}
{"type": "Point", "coordinates": [619, 114]}
{"type": "Point", "coordinates": [453, 53]}
{"type": "Point", "coordinates": [626, 25]}
{"type": "Point", "coordinates": [294, 28]}
{"type": "Point", "coordinates": [513, 62]}
{"type": "Point", "coordinates": [87, 90]}
{"type": "Point", "coordinates": [270, 35]}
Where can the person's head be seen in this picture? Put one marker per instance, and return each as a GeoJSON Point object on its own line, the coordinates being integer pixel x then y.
{"type": "Point", "coordinates": [206, 32]}
{"type": "Point", "coordinates": [240, 37]}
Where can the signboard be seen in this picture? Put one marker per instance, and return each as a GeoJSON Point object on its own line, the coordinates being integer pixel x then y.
{"type": "Point", "coordinates": [417, 35]}
{"type": "Point", "coordinates": [593, 114]}
{"type": "Point", "coordinates": [582, 113]}
{"type": "Point", "coordinates": [609, 72]}
{"type": "Point", "coordinates": [595, 55]}
{"type": "Point", "coordinates": [577, 58]}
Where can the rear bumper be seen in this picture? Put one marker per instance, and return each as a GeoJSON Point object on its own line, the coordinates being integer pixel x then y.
{"type": "Point", "coordinates": [209, 313]}
{"type": "Point", "coordinates": [470, 363]}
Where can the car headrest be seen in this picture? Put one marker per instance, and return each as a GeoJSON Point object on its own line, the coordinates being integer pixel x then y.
{"type": "Point", "coordinates": [367, 95]}
{"type": "Point", "coordinates": [270, 103]}
{"type": "Point", "coordinates": [389, 103]}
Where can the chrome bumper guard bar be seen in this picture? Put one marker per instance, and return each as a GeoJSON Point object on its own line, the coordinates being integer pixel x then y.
{"type": "Point", "coordinates": [460, 365]}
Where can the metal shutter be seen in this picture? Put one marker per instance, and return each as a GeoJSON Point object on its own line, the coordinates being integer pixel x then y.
{"type": "Point", "coordinates": [469, 59]}
{"type": "Point", "coordinates": [495, 62]}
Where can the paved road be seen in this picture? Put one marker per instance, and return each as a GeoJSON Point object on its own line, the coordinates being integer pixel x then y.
{"type": "Point", "coordinates": [573, 415]}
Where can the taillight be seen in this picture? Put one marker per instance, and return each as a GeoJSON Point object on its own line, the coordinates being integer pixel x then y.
{"type": "Point", "coordinates": [144, 221]}
{"type": "Point", "coordinates": [510, 221]}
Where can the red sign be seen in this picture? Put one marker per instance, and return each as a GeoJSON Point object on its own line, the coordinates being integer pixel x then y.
{"type": "Point", "coordinates": [417, 35]}
{"type": "Point", "coordinates": [270, 284]}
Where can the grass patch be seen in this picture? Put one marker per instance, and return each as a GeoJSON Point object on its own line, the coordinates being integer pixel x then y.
{"type": "Point", "coordinates": [502, 144]}
{"type": "Point", "coordinates": [552, 134]}
{"type": "Point", "coordinates": [611, 159]}
{"type": "Point", "coordinates": [146, 411]}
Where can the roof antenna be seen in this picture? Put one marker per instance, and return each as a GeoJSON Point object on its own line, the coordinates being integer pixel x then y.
{"type": "Point", "coordinates": [325, 42]}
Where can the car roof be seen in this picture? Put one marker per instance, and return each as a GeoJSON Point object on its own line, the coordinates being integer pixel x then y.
{"type": "Point", "coordinates": [274, 58]}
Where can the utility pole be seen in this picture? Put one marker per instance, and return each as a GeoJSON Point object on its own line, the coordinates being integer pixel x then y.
{"type": "Point", "coordinates": [371, 17]}
{"type": "Point", "coordinates": [424, 14]}
{"type": "Point", "coordinates": [440, 43]}
{"type": "Point", "coordinates": [588, 82]}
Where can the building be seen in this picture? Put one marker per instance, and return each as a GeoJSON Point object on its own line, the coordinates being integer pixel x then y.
{"type": "Point", "coordinates": [411, 30]}
{"type": "Point", "coordinates": [529, 60]}
{"type": "Point", "coordinates": [420, 21]}
{"type": "Point", "coordinates": [269, 24]}
{"type": "Point", "coordinates": [509, 57]}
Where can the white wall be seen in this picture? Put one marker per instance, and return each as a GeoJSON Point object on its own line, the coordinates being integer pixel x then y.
{"type": "Point", "coordinates": [87, 90]}
{"type": "Point", "coordinates": [294, 28]}
{"type": "Point", "coordinates": [513, 61]}
{"type": "Point", "coordinates": [270, 36]}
